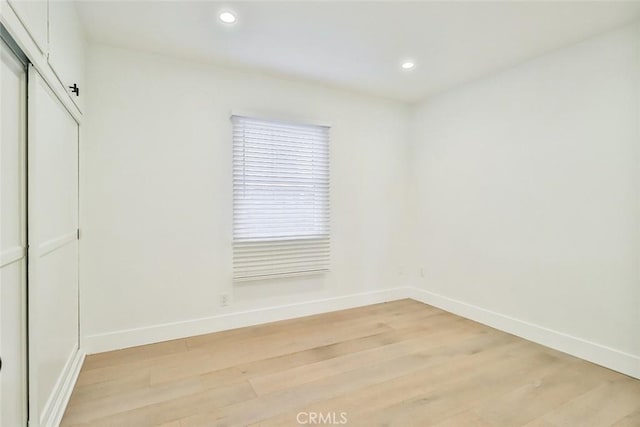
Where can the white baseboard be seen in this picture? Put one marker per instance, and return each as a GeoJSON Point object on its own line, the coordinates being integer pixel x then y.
{"type": "Point", "coordinates": [57, 404]}
{"type": "Point", "coordinates": [625, 363]}
{"type": "Point", "coordinates": [168, 331]}
{"type": "Point", "coordinates": [617, 360]}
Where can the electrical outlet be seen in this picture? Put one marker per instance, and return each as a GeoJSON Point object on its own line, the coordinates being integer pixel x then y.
{"type": "Point", "coordinates": [224, 300]}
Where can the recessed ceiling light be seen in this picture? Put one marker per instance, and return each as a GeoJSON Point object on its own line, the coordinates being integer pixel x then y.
{"type": "Point", "coordinates": [227, 17]}
{"type": "Point", "coordinates": [407, 65]}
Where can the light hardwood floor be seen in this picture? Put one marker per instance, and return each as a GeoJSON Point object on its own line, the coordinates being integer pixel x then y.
{"type": "Point", "coordinates": [402, 363]}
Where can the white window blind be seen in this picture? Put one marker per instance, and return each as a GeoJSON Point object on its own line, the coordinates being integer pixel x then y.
{"type": "Point", "coordinates": [280, 199]}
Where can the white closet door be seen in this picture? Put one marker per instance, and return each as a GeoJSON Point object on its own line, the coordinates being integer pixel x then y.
{"type": "Point", "coordinates": [13, 386]}
{"type": "Point", "coordinates": [53, 249]}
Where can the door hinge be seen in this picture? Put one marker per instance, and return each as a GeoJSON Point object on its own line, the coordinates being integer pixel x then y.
{"type": "Point", "coordinates": [78, 233]}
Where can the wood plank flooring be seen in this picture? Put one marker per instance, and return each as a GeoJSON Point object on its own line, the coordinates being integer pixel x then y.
{"type": "Point", "coordinates": [401, 363]}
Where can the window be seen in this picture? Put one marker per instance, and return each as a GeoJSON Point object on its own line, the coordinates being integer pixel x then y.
{"type": "Point", "coordinates": [280, 199]}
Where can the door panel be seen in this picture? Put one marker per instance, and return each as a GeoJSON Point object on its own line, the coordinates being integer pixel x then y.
{"type": "Point", "coordinates": [13, 379]}
{"type": "Point", "coordinates": [53, 247]}
{"type": "Point", "coordinates": [57, 340]}
{"type": "Point", "coordinates": [13, 112]}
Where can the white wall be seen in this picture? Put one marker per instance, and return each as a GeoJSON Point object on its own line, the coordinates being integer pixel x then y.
{"type": "Point", "coordinates": [156, 197]}
{"type": "Point", "coordinates": [527, 199]}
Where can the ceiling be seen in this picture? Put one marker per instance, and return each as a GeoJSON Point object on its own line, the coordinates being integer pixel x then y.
{"type": "Point", "coordinates": [357, 45]}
